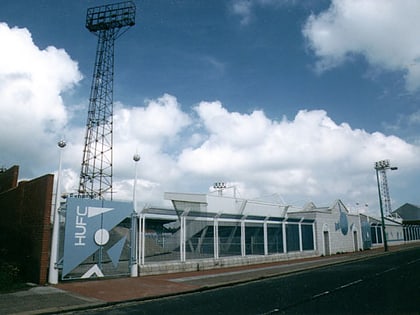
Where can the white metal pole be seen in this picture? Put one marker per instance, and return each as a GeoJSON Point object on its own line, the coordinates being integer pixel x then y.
{"type": "Point", "coordinates": [216, 238]}
{"type": "Point", "coordinates": [143, 236]}
{"type": "Point", "coordinates": [134, 251]}
{"type": "Point", "coordinates": [53, 270]}
{"type": "Point", "coordinates": [243, 248]}
{"type": "Point", "coordinates": [265, 238]}
{"type": "Point", "coordinates": [300, 236]}
{"type": "Point", "coordinates": [134, 264]}
{"type": "Point", "coordinates": [183, 237]}
{"type": "Point", "coordinates": [284, 237]}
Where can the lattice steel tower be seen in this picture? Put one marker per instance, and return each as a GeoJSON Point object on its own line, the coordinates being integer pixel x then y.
{"type": "Point", "coordinates": [107, 22]}
{"type": "Point", "coordinates": [381, 167]}
{"type": "Point", "coordinates": [385, 192]}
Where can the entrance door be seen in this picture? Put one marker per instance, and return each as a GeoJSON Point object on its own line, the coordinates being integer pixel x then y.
{"type": "Point", "coordinates": [326, 243]}
{"type": "Point", "coordinates": [356, 241]}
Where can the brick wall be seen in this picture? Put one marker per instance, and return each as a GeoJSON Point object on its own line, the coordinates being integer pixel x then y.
{"type": "Point", "coordinates": [9, 178]}
{"type": "Point", "coordinates": [25, 229]}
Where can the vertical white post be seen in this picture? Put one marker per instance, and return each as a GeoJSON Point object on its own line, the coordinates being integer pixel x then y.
{"type": "Point", "coordinates": [134, 246]}
{"type": "Point", "coordinates": [300, 237]}
{"type": "Point", "coordinates": [134, 241]}
{"type": "Point", "coordinates": [314, 236]}
{"type": "Point", "coordinates": [243, 247]}
{"type": "Point", "coordinates": [361, 233]}
{"type": "Point", "coordinates": [216, 238]}
{"type": "Point", "coordinates": [142, 238]}
{"type": "Point", "coordinates": [284, 237]}
{"type": "Point", "coordinates": [53, 270]}
{"type": "Point", "coordinates": [265, 238]}
{"type": "Point", "coordinates": [182, 238]}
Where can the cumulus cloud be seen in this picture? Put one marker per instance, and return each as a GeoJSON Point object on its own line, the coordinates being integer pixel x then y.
{"type": "Point", "coordinates": [154, 131]}
{"type": "Point", "coordinates": [159, 121]}
{"type": "Point", "coordinates": [309, 157]}
{"type": "Point", "coordinates": [31, 84]}
{"type": "Point", "coordinates": [385, 33]}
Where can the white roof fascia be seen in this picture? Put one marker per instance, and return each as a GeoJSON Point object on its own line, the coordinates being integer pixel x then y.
{"type": "Point", "coordinates": [187, 197]}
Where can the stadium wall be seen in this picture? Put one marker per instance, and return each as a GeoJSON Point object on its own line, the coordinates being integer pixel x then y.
{"type": "Point", "coordinates": [25, 228]}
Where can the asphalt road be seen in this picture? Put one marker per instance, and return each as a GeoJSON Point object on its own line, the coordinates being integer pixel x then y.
{"type": "Point", "coordinates": [388, 284]}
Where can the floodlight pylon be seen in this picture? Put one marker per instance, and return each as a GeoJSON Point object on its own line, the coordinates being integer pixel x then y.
{"type": "Point", "coordinates": [381, 168]}
{"type": "Point", "coordinates": [385, 192]}
{"type": "Point", "coordinates": [107, 22]}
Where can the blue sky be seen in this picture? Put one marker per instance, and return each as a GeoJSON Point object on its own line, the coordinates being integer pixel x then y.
{"type": "Point", "coordinates": [284, 98]}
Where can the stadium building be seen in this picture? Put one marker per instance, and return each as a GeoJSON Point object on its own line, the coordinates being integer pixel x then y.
{"type": "Point", "coordinates": [205, 231]}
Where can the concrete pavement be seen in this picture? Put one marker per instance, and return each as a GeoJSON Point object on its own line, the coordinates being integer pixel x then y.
{"type": "Point", "coordinates": [68, 296]}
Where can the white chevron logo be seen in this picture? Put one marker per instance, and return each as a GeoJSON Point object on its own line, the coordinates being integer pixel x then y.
{"type": "Point", "coordinates": [95, 270]}
{"type": "Point", "coordinates": [94, 211]}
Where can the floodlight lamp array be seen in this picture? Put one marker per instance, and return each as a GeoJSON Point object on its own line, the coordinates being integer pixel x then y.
{"type": "Point", "coordinates": [384, 164]}
{"type": "Point", "coordinates": [219, 185]}
{"type": "Point", "coordinates": [111, 16]}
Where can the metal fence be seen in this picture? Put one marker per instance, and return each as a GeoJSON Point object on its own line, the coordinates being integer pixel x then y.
{"type": "Point", "coordinates": [170, 235]}
{"type": "Point", "coordinates": [411, 232]}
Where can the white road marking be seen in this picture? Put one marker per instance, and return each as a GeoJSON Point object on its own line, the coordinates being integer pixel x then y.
{"type": "Point", "coordinates": [350, 284]}
{"type": "Point", "coordinates": [320, 294]}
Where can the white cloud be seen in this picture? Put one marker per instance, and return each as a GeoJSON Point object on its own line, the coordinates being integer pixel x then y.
{"type": "Point", "coordinates": [385, 32]}
{"type": "Point", "coordinates": [159, 121]}
{"type": "Point", "coordinates": [307, 158]}
{"type": "Point", "coordinates": [31, 84]}
{"type": "Point", "coordinates": [245, 8]}
{"type": "Point", "coordinates": [154, 132]}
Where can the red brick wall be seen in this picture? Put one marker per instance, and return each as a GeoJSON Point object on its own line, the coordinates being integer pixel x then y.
{"type": "Point", "coordinates": [25, 229]}
{"type": "Point", "coordinates": [9, 178]}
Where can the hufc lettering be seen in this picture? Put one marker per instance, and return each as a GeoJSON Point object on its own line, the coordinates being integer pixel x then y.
{"type": "Point", "coordinates": [80, 226]}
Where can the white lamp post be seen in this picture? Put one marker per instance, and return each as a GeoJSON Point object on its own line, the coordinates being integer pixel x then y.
{"type": "Point", "coordinates": [53, 270]}
{"type": "Point", "coordinates": [136, 158]}
{"type": "Point", "coordinates": [134, 239]}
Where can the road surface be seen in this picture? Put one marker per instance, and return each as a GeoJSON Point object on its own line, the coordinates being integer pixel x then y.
{"type": "Point", "coordinates": [388, 284]}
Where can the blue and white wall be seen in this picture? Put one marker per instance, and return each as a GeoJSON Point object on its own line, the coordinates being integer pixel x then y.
{"type": "Point", "coordinates": [337, 231]}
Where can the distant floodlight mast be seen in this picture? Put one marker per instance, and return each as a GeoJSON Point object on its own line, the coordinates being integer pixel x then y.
{"type": "Point", "coordinates": [219, 186]}
{"type": "Point", "coordinates": [381, 167]}
{"type": "Point", "coordinates": [383, 192]}
{"type": "Point", "coordinates": [108, 22]}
